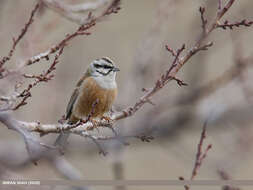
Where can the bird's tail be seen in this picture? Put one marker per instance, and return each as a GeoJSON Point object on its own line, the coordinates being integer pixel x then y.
{"type": "Point", "coordinates": [61, 140]}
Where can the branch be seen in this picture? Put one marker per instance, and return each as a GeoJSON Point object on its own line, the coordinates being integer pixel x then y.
{"type": "Point", "coordinates": [16, 41]}
{"type": "Point", "coordinates": [81, 129]}
{"type": "Point", "coordinates": [112, 8]}
{"type": "Point", "coordinates": [200, 156]}
{"type": "Point", "coordinates": [174, 69]}
{"type": "Point", "coordinates": [231, 26]}
{"type": "Point", "coordinates": [91, 21]}
{"type": "Point", "coordinates": [45, 55]}
{"type": "Point", "coordinates": [224, 176]}
{"type": "Point", "coordinates": [203, 20]}
{"type": "Point", "coordinates": [233, 72]}
{"type": "Point", "coordinates": [170, 74]}
{"type": "Point", "coordinates": [44, 77]}
{"type": "Point", "coordinates": [160, 83]}
{"type": "Point", "coordinates": [34, 147]}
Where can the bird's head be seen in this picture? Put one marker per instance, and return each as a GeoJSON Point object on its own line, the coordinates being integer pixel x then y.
{"type": "Point", "coordinates": [103, 70]}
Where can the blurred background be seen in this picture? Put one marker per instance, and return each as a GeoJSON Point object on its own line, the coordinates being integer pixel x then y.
{"type": "Point", "coordinates": [219, 90]}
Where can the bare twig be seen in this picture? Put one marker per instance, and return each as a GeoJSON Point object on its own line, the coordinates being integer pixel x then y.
{"type": "Point", "coordinates": [224, 176]}
{"type": "Point", "coordinates": [165, 78]}
{"type": "Point", "coordinates": [174, 69]}
{"type": "Point", "coordinates": [204, 21]}
{"type": "Point", "coordinates": [233, 72]}
{"type": "Point", "coordinates": [112, 8]}
{"type": "Point", "coordinates": [231, 26]}
{"type": "Point", "coordinates": [82, 30]}
{"type": "Point", "coordinates": [44, 77]}
{"type": "Point", "coordinates": [20, 36]}
{"type": "Point", "coordinates": [219, 5]}
{"type": "Point", "coordinates": [45, 55]}
{"type": "Point", "coordinates": [200, 156]}
{"type": "Point", "coordinates": [169, 75]}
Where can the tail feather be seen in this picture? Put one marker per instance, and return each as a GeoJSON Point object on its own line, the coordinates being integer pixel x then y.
{"type": "Point", "coordinates": [61, 141]}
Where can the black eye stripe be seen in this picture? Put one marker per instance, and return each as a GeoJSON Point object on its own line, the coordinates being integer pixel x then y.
{"type": "Point", "coordinates": [107, 67]}
{"type": "Point", "coordinates": [103, 66]}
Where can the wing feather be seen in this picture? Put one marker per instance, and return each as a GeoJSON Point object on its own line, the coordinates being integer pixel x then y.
{"type": "Point", "coordinates": [71, 103]}
{"type": "Point", "coordinates": [74, 96]}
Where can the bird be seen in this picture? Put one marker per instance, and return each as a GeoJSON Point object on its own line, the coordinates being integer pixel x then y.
{"type": "Point", "coordinates": [93, 95]}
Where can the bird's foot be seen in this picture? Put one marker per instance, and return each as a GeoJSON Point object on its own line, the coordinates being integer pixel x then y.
{"type": "Point", "coordinates": [94, 124]}
{"type": "Point", "coordinates": [108, 119]}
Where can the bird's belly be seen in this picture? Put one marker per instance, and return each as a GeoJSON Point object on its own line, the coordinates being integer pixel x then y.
{"type": "Point", "coordinates": [94, 100]}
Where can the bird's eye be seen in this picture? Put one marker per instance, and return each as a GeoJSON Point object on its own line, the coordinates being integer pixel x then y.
{"type": "Point", "coordinates": [107, 67]}
{"type": "Point", "coordinates": [97, 65]}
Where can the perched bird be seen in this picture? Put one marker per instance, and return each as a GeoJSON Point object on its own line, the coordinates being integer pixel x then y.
{"type": "Point", "coordinates": [93, 96]}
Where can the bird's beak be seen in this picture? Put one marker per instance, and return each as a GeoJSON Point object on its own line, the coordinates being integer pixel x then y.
{"type": "Point", "coordinates": [115, 69]}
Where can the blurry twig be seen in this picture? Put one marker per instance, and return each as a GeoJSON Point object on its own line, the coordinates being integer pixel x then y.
{"type": "Point", "coordinates": [224, 176]}
{"type": "Point", "coordinates": [118, 171]}
{"type": "Point", "coordinates": [12, 157]}
{"type": "Point", "coordinates": [186, 187]}
{"type": "Point", "coordinates": [72, 12]}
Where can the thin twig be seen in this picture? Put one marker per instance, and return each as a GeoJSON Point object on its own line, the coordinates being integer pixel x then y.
{"type": "Point", "coordinates": [224, 176]}
{"type": "Point", "coordinates": [228, 25]}
{"type": "Point", "coordinates": [175, 67]}
{"type": "Point", "coordinates": [44, 77]}
{"type": "Point", "coordinates": [200, 156]}
{"type": "Point", "coordinates": [20, 36]}
{"type": "Point", "coordinates": [203, 20]}
{"type": "Point", "coordinates": [112, 8]}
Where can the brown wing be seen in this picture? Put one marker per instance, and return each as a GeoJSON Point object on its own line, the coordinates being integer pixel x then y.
{"type": "Point", "coordinates": [74, 97]}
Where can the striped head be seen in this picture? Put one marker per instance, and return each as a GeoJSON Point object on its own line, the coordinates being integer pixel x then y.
{"type": "Point", "coordinates": [104, 72]}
